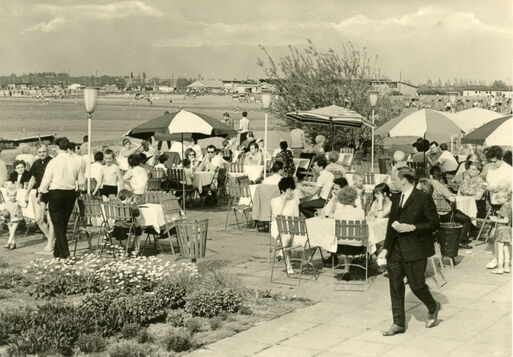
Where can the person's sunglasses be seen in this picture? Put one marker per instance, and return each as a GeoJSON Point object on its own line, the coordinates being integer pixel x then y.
{"type": "Point", "coordinates": [493, 161]}
{"type": "Point", "coordinates": [210, 152]}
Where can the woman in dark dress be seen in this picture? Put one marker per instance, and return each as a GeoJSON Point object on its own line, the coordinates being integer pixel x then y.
{"type": "Point", "coordinates": [285, 156]}
{"type": "Point", "coordinates": [20, 175]}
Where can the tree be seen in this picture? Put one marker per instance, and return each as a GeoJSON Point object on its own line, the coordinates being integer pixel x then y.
{"type": "Point", "coordinates": [429, 83]}
{"type": "Point", "coordinates": [308, 78]}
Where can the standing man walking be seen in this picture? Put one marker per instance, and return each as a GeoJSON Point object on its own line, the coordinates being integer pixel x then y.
{"type": "Point", "coordinates": [408, 244]}
{"type": "Point", "coordinates": [61, 181]}
{"type": "Point", "coordinates": [243, 126]}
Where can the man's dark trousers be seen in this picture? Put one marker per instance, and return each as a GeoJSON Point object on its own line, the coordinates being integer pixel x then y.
{"type": "Point", "coordinates": [60, 206]}
{"type": "Point", "coordinates": [415, 272]}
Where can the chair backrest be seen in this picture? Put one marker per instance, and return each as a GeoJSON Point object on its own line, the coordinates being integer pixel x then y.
{"type": "Point", "coordinates": [192, 237]}
{"type": "Point", "coordinates": [157, 173]}
{"type": "Point", "coordinates": [117, 211]}
{"type": "Point", "coordinates": [93, 211]}
{"type": "Point", "coordinates": [171, 208]}
{"type": "Point", "coordinates": [416, 165]}
{"type": "Point", "coordinates": [352, 230]}
{"type": "Point", "coordinates": [235, 190]}
{"type": "Point", "coordinates": [369, 179]}
{"type": "Point", "coordinates": [384, 165]}
{"type": "Point", "coordinates": [156, 196]}
{"type": "Point", "coordinates": [154, 184]}
{"type": "Point", "coordinates": [176, 175]}
{"type": "Point", "coordinates": [293, 226]}
{"type": "Point", "coordinates": [236, 167]}
{"type": "Point", "coordinates": [442, 206]}
{"type": "Point", "coordinates": [346, 150]}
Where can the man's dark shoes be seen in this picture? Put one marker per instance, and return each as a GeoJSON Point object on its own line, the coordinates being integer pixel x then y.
{"type": "Point", "coordinates": [394, 330]}
{"type": "Point", "coordinates": [433, 318]}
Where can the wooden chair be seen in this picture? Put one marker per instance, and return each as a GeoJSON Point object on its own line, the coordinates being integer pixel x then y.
{"type": "Point", "coordinates": [117, 211]}
{"type": "Point", "coordinates": [192, 238]}
{"type": "Point", "coordinates": [95, 222]}
{"type": "Point", "coordinates": [156, 196]}
{"type": "Point", "coordinates": [438, 274]}
{"type": "Point", "coordinates": [236, 193]}
{"type": "Point", "coordinates": [154, 184]}
{"type": "Point", "coordinates": [346, 150]}
{"type": "Point", "coordinates": [157, 173]}
{"type": "Point", "coordinates": [294, 227]}
{"type": "Point", "coordinates": [236, 167]}
{"type": "Point", "coordinates": [418, 167]}
{"type": "Point", "coordinates": [369, 179]}
{"type": "Point", "coordinates": [357, 231]}
{"type": "Point", "coordinates": [176, 179]}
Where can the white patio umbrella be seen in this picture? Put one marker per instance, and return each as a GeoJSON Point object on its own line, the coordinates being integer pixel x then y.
{"type": "Point", "coordinates": [473, 118]}
{"type": "Point", "coordinates": [495, 132]}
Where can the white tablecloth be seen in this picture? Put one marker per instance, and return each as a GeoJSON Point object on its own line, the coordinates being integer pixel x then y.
{"type": "Point", "coordinates": [28, 212]}
{"type": "Point", "coordinates": [301, 163]}
{"type": "Point", "coordinates": [123, 163]}
{"type": "Point", "coordinates": [467, 205]}
{"type": "Point", "coordinates": [254, 172]}
{"type": "Point", "coordinates": [321, 232]}
{"type": "Point", "coordinates": [202, 178]}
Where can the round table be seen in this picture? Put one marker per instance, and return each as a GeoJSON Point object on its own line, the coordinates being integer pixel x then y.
{"type": "Point", "coordinates": [202, 178]}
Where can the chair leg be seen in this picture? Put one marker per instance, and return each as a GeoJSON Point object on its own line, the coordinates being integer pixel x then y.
{"type": "Point", "coordinates": [236, 218]}
{"type": "Point", "coordinates": [75, 234]}
{"type": "Point", "coordinates": [227, 214]}
{"type": "Point", "coordinates": [366, 287]}
{"type": "Point", "coordinates": [301, 264]}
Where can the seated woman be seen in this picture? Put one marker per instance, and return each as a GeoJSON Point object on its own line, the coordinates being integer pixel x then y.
{"type": "Point", "coordinates": [20, 176]}
{"type": "Point", "coordinates": [254, 156]}
{"type": "Point", "coordinates": [461, 172]}
{"type": "Point", "coordinates": [227, 152]}
{"type": "Point", "coordinates": [441, 193]}
{"type": "Point", "coordinates": [122, 228]}
{"type": "Point", "coordinates": [136, 177]}
{"type": "Point", "coordinates": [287, 204]}
{"type": "Point", "coordinates": [348, 211]}
{"type": "Point", "coordinates": [332, 205]}
{"type": "Point", "coordinates": [318, 148]}
{"type": "Point", "coordinates": [285, 156]}
{"type": "Point", "coordinates": [472, 185]}
{"type": "Point", "coordinates": [333, 166]}
{"type": "Point", "coordinates": [381, 203]}
{"type": "Point", "coordinates": [191, 155]}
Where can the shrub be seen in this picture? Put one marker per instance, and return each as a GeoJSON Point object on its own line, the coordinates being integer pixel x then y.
{"type": "Point", "coordinates": [245, 310]}
{"type": "Point", "coordinates": [4, 263]}
{"type": "Point", "coordinates": [177, 340]}
{"type": "Point", "coordinates": [143, 336]}
{"type": "Point", "coordinates": [91, 343]}
{"type": "Point", "coordinates": [210, 303]}
{"type": "Point", "coordinates": [130, 330]}
{"type": "Point", "coordinates": [172, 294]}
{"type": "Point", "coordinates": [194, 324]}
{"type": "Point", "coordinates": [215, 323]}
{"type": "Point", "coordinates": [14, 321]}
{"type": "Point", "coordinates": [127, 348]}
{"type": "Point", "coordinates": [9, 278]}
{"type": "Point", "coordinates": [177, 318]}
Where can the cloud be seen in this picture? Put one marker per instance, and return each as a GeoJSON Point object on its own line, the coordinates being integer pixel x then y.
{"type": "Point", "coordinates": [104, 12]}
{"type": "Point", "coordinates": [424, 22]}
{"type": "Point", "coordinates": [50, 26]}
{"type": "Point", "coordinates": [117, 10]}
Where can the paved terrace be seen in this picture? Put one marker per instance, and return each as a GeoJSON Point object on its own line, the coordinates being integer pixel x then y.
{"type": "Point", "coordinates": [475, 319]}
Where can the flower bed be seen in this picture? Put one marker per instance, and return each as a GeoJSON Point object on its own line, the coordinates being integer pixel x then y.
{"type": "Point", "coordinates": [123, 305]}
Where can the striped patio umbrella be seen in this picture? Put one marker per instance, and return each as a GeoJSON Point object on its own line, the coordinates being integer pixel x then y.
{"type": "Point", "coordinates": [431, 124]}
{"type": "Point", "coordinates": [495, 132]}
{"type": "Point", "coordinates": [473, 118]}
{"type": "Point", "coordinates": [181, 125]}
{"type": "Point", "coordinates": [330, 115]}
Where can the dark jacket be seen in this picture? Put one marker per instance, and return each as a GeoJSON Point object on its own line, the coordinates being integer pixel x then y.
{"type": "Point", "coordinates": [419, 210]}
{"type": "Point", "coordinates": [13, 177]}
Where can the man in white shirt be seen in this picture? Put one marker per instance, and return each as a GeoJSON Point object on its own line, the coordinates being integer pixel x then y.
{"type": "Point", "coordinates": [243, 126]}
{"type": "Point", "coordinates": [149, 152]}
{"type": "Point", "coordinates": [277, 170]}
{"type": "Point", "coordinates": [321, 189]}
{"type": "Point", "coordinates": [60, 184]}
{"type": "Point", "coordinates": [206, 164]}
{"type": "Point", "coordinates": [447, 161]}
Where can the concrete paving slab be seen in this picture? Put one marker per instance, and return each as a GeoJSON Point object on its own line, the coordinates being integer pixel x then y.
{"type": "Point", "coordinates": [355, 347]}
{"type": "Point", "coordinates": [321, 337]}
{"type": "Point", "coordinates": [281, 350]}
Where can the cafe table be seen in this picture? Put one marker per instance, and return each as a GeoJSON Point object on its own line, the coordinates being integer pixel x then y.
{"type": "Point", "coordinates": [202, 178]}
{"type": "Point", "coordinates": [321, 232]}
{"type": "Point", "coordinates": [467, 205]}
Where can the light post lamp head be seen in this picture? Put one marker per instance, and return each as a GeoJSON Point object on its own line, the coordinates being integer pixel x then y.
{"type": "Point", "coordinates": [90, 99]}
{"type": "Point", "coordinates": [373, 98]}
{"type": "Point", "coordinates": [266, 98]}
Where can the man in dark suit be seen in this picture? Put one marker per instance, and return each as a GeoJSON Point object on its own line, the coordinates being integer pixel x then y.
{"type": "Point", "coordinates": [408, 244]}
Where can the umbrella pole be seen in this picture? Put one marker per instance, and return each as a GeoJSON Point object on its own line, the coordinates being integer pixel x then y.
{"type": "Point", "coordinates": [89, 154]}
{"type": "Point", "coordinates": [184, 179]}
{"type": "Point", "coordinates": [331, 133]}
{"type": "Point", "coordinates": [265, 144]}
{"type": "Point", "coordinates": [372, 143]}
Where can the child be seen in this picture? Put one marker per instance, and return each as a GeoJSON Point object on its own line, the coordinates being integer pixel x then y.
{"type": "Point", "coordinates": [381, 205]}
{"type": "Point", "coordinates": [161, 165]}
{"type": "Point", "coordinates": [110, 176]}
{"type": "Point", "coordinates": [12, 215]}
{"type": "Point", "coordinates": [121, 228]}
{"type": "Point", "coordinates": [503, 233]}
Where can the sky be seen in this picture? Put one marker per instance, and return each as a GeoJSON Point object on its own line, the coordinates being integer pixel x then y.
{"type": "Point", "coordinates": [419, 40]}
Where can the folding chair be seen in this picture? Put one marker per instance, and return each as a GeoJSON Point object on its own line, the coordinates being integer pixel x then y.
{"type": "Point", "coordinates": [239, 201]}
{"type": "Point", "coordinates": [294, 227]}
{"type": "Point", "coordinates": [437, 273]}
{"type": "Point", "coordinates": [154, 184]}
{"type": "Point", "coordinates": [117, 211]}
{"type": "Point", "coordinates": [172, 213]}
{"type": "Point", "coordinates": [157, 173]}
{"type": "Point", "coordinates": [95, 222]}
{"type": "Point", "coordinates": [176, 178]}
{"type": "Point", "coordinates": [484, 222]}
{"type": "Point", "coordinates": [156, 196]}
{"type": "Point", "coordinates": [357, 231]}
{"type": "Point", "coordinates": [210, 189]}
{"type": "Point", "coordinates": [369, 178]}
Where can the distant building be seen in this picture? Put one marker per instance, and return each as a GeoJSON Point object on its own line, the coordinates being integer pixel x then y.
{"type": "Point", "coordinates": [486, 92]}
{"type": "Point", "coordinates": [387, 85]}
{"type": "Point", "coordinates": [206, 85]}
{"type": "Point", "coordinates": [241, 86]}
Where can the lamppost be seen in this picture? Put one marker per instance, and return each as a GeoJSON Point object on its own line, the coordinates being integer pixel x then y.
{"type": "Point", "coordinates": [266, 104]}
{"type": "Point", "coordinates": [90, 101]}
{"type": "Point", "coordinates": [373, 99]}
